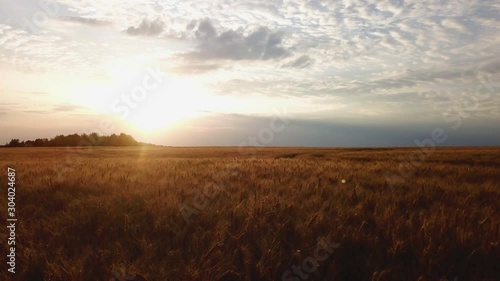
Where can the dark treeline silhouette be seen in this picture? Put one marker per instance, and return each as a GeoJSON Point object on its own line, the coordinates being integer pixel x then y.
{"type": "Point", "coordinates": [93, 139]}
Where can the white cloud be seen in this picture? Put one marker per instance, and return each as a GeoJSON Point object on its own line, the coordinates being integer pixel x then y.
{"type": "Point", "coordinates": [298, 45]}
{"type": "Point", "coordinates": [147, 28]}
{"type": "Point", "coordinates": [454, 24]}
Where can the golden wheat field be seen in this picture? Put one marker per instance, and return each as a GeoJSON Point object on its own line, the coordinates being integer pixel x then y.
{"type": "Point", "coordinates": [229, 214]}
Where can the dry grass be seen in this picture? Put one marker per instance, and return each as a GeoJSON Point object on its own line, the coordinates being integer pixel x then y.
{"type": "Point", "coordinates": [117, 210]}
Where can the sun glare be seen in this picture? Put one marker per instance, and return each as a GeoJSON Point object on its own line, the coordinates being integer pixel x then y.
{"type": "Point", "coordinates": [175, 100]}
{"type": "Point", "coordinates": [148, 102]}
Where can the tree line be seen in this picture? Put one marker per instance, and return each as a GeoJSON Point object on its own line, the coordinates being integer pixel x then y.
{"type": "Point", "coordinates": [93, 139]}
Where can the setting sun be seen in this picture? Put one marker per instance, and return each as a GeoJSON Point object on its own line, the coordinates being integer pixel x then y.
{"type": "Point", "coordinates": [173, 100]}
{"type": "Point", "coordinates": [144, 97]}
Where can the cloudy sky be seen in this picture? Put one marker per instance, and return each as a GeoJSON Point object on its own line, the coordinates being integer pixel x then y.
{"type": "Point", "coordinates": [253, 72]}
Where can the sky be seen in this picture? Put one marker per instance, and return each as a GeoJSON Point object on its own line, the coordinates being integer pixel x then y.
{"type": "Point", "coordinates": [256, 72]}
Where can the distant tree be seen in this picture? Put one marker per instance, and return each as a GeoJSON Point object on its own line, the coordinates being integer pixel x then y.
{"type": "Point", "coordinates": [73, 140]}
{"type": "Point", "coordinates": [58, 140]}
{"type": "Point", "coordinates": [113, 140]}
{"type": "Point", "coordinates": [14, 143]}
{"type": "Point", "coordinates": [41, 142]}
{"type": "Point", "coordinates": [93, 139]}
{"type": "Point", "coordinates": [126, 140]}
{"type": "Point", "coordinates": [85, 140]}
